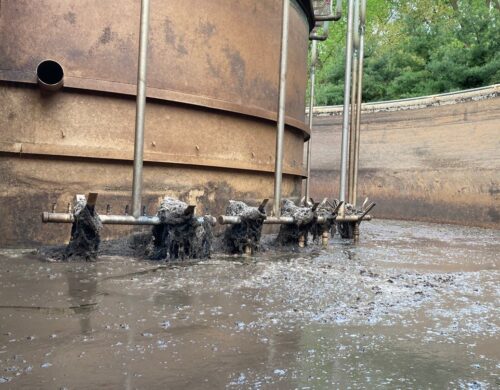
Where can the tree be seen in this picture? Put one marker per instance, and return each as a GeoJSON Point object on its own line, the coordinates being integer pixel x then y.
{"type": "Point", "coordinates": [417, 47]}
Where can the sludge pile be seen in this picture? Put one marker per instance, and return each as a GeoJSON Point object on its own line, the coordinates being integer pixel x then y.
{"type": "Point", "coordinates": [181, 235]}
{"type": "Point", "coordinates": [178, 234]}
{"type": "Point", "coordinates": [244, 237]}
{"type": "Point", "coordinates": [297, 232]}
{"type": "Point", "coordinates": [85, 232]}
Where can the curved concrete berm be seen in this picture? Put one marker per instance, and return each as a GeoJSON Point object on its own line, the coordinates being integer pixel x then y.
{"type": "Point", "coordinates": [210, 119]}
{"type": "Point", "coordinates": [432, 159]}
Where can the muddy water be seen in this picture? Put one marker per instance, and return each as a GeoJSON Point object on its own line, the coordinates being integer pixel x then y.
{"type": "Point", "coordinates": [411, 306]}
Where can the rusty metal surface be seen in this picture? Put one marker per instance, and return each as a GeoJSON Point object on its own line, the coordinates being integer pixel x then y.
{"type": "Point", "coordinates": [31, 184]}
{"type": "Point", "coordinates": [224, 54]}
{"type": "Point", "coordinates": [422, 162]}
{"type": "Point", "coordinates": [102, 127]}
{"type": "Point", "coordinates": [210, 117]}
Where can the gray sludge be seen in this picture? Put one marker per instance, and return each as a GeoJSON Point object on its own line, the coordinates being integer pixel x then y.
{"type": "Point", "coordinates": [85, 237]}
{"type": "Point", "coordinates": [181, 235]}
{"type": "Point", "coordinates": [304, 221]}
{"type": "Point", "coordinates": [317, 228]}
{"type": "Point", "coordinates": [247, 233]}
{"type": "Point", "coordinates": [346, 229]}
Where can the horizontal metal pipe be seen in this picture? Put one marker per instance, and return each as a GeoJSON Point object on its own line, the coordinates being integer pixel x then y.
{"type": "Point", "coordinates": [353, 218]}
{"type": "Point", "coordinates": [234, 220]}
{"type": "Point", "coordinates": [111, 219]}
{"type": "Point", "coordinates": [279, 220]}
{"type": "Point", "coordinates": [327, 18]}
{"type": "Point", "coordinates": [228, 219]}
{"type": "Point", "coordinates": [315, 37]}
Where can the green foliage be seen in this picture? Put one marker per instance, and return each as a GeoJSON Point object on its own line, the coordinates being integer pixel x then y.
{"type": "Point", "coordinates": [415, 48]}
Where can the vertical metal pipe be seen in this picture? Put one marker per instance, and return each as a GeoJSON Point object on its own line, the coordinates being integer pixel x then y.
{"type": "Point", "coordinates": [359, 98]}
{"type": "Point", "coordinates": [350, 176]}
{"type": "Point", "coordinates": [280, 133]}
{"type": "Point", "coordinates": [140, 110]}
{"type": "Point", "coordinates": [347, 94]}
{"type": "Point", "coordinates": [314, 57]}
{"type": "Point", "coordinates": [352, 128]}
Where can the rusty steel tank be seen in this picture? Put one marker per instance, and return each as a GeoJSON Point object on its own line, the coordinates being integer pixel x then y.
{"type": "Point", "coordinates": [67, 105]}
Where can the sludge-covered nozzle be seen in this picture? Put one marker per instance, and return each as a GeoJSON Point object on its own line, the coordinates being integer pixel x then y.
{"type": "Point", "coordinates": [85, 231]}
{"type": "Point", "coordinates": [350, 218]}
{"type": "Point", "coordinates": [244, 236]}
{"type": "Point", "coordinates": [180, 234]}
{"type": "Point", "coordinates": [309, 219]}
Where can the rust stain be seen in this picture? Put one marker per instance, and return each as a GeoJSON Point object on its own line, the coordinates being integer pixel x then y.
{"type": "Point", "coordinates": [237, 65]}
{"type": "Point", "coordinates": [70, 17]}
{"type": "Point", "coordinates": [106, 36]}
{"type": "Point", "coordinates": [207, 29]}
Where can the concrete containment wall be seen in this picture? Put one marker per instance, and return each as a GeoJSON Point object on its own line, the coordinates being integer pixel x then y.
{"type": "Point", "coordinates": [432, 159]}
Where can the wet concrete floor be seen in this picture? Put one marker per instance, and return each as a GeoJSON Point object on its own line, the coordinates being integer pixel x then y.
{"type": "Point", "coordinates": [411, 306]}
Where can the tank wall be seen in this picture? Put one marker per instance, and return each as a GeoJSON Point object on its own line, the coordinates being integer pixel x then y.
{"type": "Point", "coordinates": [430, 163]}
{"type": "Point", "coordinates": [221, 53]}
{"type": "Point", "coordinates": [31, 184]}
{"type": "Point", "coordinates": [210, 117]}
{"type": "Point", "coordinates": [101, 126]}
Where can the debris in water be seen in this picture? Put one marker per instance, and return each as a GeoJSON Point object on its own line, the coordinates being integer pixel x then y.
{"type": "Point", "coordinates": [165, 324]}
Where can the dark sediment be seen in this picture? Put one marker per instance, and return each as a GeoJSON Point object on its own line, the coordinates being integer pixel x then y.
{"type": "Point", "coordinates": [245, 235]}
{"type": "Point", "coordinates": [346, 229]}
{"type": "Point", "coordinates": [184, 236]}
{"type": "Point", "coordinates": [317, 229]}
{"type": "Point", "coordinates": [410, 305]}
{"type": "Point", "coordinates": [289, 234]}
{"type": "Point", "coordinates": [85, 237]}
{"type": "Point", "coordinates": [181, 235]}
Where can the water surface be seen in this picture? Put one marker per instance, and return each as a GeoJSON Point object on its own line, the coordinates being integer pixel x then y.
{"type": "Point", "coordinates": [411, 306]}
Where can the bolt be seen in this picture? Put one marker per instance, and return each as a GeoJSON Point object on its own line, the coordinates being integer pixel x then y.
{"type": "Point", "coordinates": [153, 144]}
{"type": "Point", "coordinates": [54, 207]}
